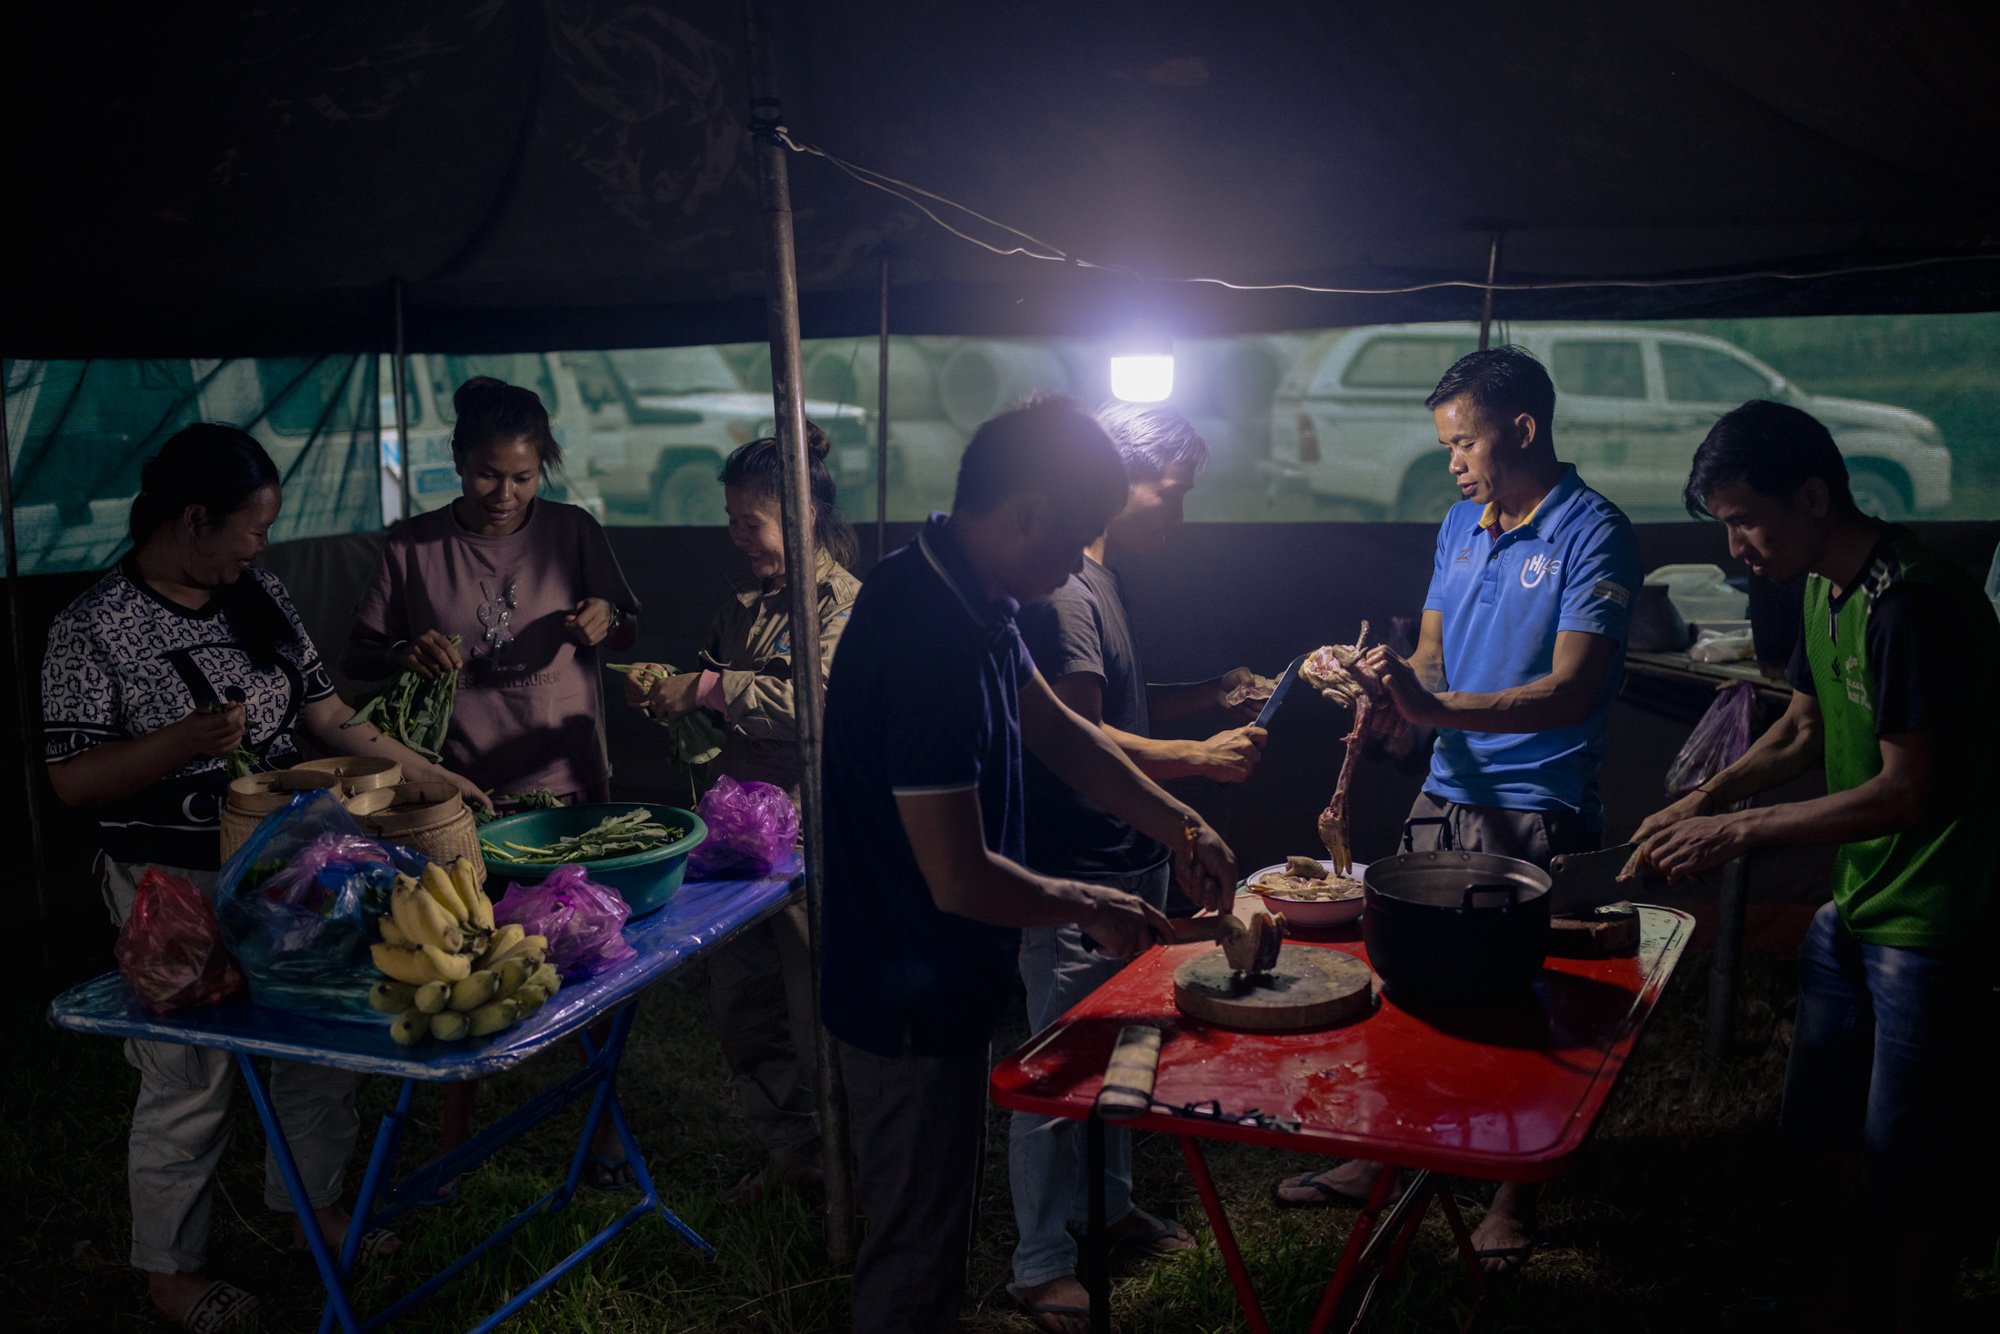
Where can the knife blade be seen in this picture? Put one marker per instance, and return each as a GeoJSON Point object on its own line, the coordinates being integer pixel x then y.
{"type": "Point", "coordinates": [1270, 709]}
{"type": "Point", "coordinates": [1586, 880]}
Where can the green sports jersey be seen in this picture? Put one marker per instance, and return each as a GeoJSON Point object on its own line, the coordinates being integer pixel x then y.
{"type": "Point", "coordinates": [1897, 653]}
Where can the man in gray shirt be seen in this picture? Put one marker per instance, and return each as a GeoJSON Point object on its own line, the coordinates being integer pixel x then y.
{"type": "Point", "coordinates": [1082, 643]}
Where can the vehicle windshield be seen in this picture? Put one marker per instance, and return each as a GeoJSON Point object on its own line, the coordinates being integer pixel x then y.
{"type": "Point", "coordinates": [674, 370]}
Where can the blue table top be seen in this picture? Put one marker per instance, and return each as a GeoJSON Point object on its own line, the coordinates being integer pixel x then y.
{"type": "Point", "coordinates": [695, 920]}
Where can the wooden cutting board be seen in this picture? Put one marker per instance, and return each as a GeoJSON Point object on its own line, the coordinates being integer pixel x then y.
{"type": "Point", "coordinates": [1309, 988]}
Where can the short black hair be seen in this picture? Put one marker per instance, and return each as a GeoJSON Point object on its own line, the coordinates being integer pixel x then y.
{"type": "Point", "coordinates": [1775, 448]}
{"type": "Point", "coordinates": [1048, 444]}
{"type": "Point", "coordinates": [1503, 382]}
{"type": "Point", "coordinates": [493, 412]}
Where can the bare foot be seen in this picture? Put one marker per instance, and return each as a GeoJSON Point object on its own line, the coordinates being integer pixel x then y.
{"type": "Point", "coordinates": [1350, 1184]}
{"type": "Point", "coordinates": [1505, 1238]}
{"type": "Point", "coordinates": [1059, 1306]}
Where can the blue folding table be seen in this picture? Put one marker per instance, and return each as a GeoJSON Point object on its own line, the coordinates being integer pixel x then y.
{"type": "Point", "coordinates": [701, 916]}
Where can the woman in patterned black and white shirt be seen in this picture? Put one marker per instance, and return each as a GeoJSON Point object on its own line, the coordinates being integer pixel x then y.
{"type": "Point", "coordinates": [178, 655]}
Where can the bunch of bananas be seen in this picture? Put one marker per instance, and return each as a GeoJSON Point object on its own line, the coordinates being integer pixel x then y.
{"type": "Point", "coordinates": [451, 973]}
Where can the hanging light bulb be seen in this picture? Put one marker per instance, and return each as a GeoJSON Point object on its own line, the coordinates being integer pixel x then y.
{"type": "Point", "coordinates": [1142, 368]}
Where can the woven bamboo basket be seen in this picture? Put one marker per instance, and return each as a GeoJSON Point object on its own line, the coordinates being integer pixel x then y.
{"type": "Point", "coordinates": [430, 817]}
{"type": "Point", "coordinates": [255, 796]}
{"type": "Point", "coordinates": [357, 773]}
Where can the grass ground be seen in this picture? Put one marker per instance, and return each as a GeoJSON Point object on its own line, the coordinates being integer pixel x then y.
{"type": "Point", "coordinates": [1670, 1217]}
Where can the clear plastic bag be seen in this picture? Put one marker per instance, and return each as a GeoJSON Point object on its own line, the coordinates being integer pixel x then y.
{"type": "Point", "coordinates": [170, 949]}
{"type": "Point", "coordinates": [581, 918]}
{"type": "Point", "coordinates": [1718, 740]}
{"type": "Point", "coordinates": [298, 903]}
{"type": "Point", "coordinates": [751, 827]}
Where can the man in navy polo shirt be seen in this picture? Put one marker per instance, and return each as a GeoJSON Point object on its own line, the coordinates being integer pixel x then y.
{"type": "Point", "coordinates": [929, 704]}
{"type": "Point", "coordinates": [1517, 663]}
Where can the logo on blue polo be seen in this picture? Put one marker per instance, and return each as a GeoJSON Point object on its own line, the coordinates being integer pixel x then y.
{"type": "Point", "coordinates": [1536, 569]}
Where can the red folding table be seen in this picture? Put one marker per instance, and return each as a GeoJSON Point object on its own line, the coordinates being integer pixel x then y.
{"type": "Point", "coordinates": [1505, 1093]}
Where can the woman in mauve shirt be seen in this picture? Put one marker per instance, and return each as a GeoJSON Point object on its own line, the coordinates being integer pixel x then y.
{"type": "Point", "coordinates": [530, 588]}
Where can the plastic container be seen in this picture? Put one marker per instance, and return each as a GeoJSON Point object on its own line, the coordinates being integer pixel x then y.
{"type": "Point", "coordinates": [645, 880]}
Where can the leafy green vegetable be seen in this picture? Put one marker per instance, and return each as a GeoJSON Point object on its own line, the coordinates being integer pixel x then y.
{"type": "Point", "coordinates": [615, 836]}
{"type": "Point", "coordinates": [694, 736]}
{"type": "Point", "coordinates": [413, 709]}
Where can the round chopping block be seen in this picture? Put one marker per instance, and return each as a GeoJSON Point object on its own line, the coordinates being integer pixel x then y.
{"type": "Point", "coordinates": [1309, 987]}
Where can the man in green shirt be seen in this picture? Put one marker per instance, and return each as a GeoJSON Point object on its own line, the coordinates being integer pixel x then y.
{"type": "Point", "coordinates": [1895, 987]}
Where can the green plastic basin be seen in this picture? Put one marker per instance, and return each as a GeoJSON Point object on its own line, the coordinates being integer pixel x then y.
{"type": "Point", "coordinates": [645, 880]}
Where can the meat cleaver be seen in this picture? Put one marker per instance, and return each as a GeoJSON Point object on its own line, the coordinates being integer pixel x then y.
{"type": "Point", "coordinates": [1585, 880]}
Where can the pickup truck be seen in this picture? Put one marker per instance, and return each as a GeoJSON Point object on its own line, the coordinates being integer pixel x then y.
{"type": "Point", "coordinates": [1348, 421]}
{"type": "Point", "coordinates": [662, 420]}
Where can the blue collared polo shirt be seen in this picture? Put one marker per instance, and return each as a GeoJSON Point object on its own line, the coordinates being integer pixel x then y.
{"type": "Point", "coordinates": [1573, 564]}
{"type": "Point", "coordinates": [924, 696]}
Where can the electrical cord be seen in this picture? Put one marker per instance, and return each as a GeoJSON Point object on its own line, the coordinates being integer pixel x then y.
{"type": "Point", "coordinates": [1051, 253]}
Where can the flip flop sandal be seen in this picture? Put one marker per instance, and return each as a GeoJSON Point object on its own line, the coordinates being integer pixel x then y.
{"type": "Point", "coordinates": [1517, 1254]}
{"type": "Point", "coordinates": [220, 1306]}
{"type": "Point", "coordinates": [377, 1243]}
{"type": "Point", "coordinates": [1331, 1197]}
{"type": "Point", "coordinates": [1165, 1237]}
{"type": "Point", "coordinates": [1058, 1309]}
{"type": "Point", "coordinates": [608, 1174]}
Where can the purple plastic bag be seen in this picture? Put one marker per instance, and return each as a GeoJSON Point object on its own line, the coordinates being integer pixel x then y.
{"type": "Point", "coordinates": [581, 918]}
{"type": "Point", "coordinates": [751, 827]}
{"type": "Point", "coordinates": [1718, 740]}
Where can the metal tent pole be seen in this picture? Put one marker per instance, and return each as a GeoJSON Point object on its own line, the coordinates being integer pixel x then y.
{"type": "Point", "coordinates": [399, 370]}
{"type": "Point", "coordinates": [23, 690]}
{"type": "Point", "coordinates": [782, 310]}
{"type": "Point", "coordinates": [882, 423]}
{"type": "Point", "coordinates": [1486, 299]}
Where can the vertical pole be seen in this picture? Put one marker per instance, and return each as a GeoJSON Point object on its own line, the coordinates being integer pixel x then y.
{"type": "Point", "coordinates": [1727, 965]}
{"type": "Point", "coordinates": [782, 310]}
{"type": "Point", "coordinates": [399, 369]}
{"type": "Point", "coordinates": [24, 694]}
{"type": "Point", "coordinates": [1486, 298]}
{"type": "Point", "coordinates": [882, 422]}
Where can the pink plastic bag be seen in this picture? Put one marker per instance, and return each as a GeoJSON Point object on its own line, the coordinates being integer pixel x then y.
{"type": "Point", "coordinates": [581, 918]}
{"type": "Point", "coordinates": [170, 948]}
{"type": "Point", "coordinates": [751, 827]}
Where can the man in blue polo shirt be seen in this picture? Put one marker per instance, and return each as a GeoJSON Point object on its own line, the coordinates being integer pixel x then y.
{"type": "Point", "coordinates": [1516, 665]}
{"type": "Point", "coordinates": [929, 705]}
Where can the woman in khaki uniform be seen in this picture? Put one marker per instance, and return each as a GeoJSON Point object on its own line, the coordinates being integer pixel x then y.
{"type": "Point", "coordinates": [760, 986]}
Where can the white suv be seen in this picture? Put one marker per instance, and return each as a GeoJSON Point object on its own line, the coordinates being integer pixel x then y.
{"type": "Point", "coordinates": [1632, 403]}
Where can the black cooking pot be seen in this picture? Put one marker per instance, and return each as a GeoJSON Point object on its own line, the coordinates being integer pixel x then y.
{"type": "Point", "coordinates": [1454, 927]}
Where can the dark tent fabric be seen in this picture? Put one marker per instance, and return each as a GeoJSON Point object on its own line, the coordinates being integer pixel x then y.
{"type": "Point", "coordinates": [237, 179]}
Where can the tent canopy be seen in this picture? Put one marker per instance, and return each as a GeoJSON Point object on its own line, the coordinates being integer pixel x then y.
{"type": "Point", "coordinates": [236, 179]}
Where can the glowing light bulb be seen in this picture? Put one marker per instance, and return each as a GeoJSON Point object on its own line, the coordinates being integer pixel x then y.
{"type": "Point", "coordinates": [1143, 377]}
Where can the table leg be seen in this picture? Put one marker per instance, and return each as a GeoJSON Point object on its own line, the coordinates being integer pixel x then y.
{"type": "Point", "coordinates": [1405, 1217]}
{"type": "Point", "coordinates": [1728, 963]}
{"type": "Point", "coordinates": [388, 1136]}
{"type": "Point", "coordinates": [1462, 1237]}
{"type": "Point", "coordinates": [1096, 1259]}
{"type": "Point", "coordinates": [331, 1271]}
{"type": "Point", "coordinates": [1225, 1238]}
{"type": "Point", "coordinates": [1350, 1254]}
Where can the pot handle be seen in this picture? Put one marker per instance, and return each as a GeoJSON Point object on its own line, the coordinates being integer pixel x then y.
{"type": "Point", "coordinates": [1507, 887]}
